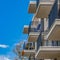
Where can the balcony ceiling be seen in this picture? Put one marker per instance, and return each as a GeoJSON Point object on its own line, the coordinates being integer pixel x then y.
{"type": "Point", "coordinates": [54, 33]}
{"type": "Point", "coordinates": [44, 9]}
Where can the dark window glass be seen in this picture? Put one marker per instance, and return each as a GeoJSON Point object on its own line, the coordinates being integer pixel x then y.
{"type": "Point", "coordinates": [59, 13]}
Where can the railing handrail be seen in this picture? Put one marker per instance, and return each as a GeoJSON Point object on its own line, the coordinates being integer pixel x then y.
{"type": "Point", "coordinates": [47, 0]}
{"type": "Point", "coordinates": [50, 46]}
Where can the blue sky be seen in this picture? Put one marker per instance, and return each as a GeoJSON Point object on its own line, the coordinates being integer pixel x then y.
{"type": "Point", "coordinates": [13, 16]}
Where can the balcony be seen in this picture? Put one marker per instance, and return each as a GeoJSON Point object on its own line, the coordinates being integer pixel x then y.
{"type": "Point", "coordinates": [33, 36]}
{"type": "Point", "coordinates": [47, 52]}
{"type": "Point", "coordinates": [32, 6]}
{"type": "Point", "coordinates": [54, 31]}
{"type": "Point", "coordinates": [29, 49]}
{"type": "Point", "coordinates": [34, 33]}
{"type": "Point", "coordinates": [48, 49]}
{"type": "Point", "coordinates": [44, 8]}
{"type": "Point", "coordinates": [32, 26]}
{"type": "Point", "coordinates": [25, 29]}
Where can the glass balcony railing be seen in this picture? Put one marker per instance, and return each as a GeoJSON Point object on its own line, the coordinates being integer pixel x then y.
{"type": "Point", "coordinates": [52, 43]}
{"type": "Point", "coordinates": [34, 26]}
{"type": "Point", "coordinates": [47, 43]}
{"type": "Point", "coordinates": [29, 46]}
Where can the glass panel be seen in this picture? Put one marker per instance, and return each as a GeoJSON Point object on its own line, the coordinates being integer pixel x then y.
{"type": "Point", "coordinates": [29, 45]}
{"type": "Point", "coordinates": [51, 43]}
{"type": "Point", "coordinates": [34, 26]}
{"type": "Point", "coordinates": [55, 43]}
{"type": "Point", "coordinates": [58, 43]}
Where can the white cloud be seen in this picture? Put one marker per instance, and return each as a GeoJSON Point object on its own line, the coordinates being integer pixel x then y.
{"type": "Point", "coordinates": [4, 58]}
{"type": "Point", "coordinates": [3, 46]}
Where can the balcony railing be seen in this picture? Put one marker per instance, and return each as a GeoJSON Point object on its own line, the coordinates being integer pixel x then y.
{"type": "Point", "coordinates": [29, 46]}
{"type": "Point", "coordinates": [34, 26]}
{"type": "Point", "coordinates": [48, 49]}
{"type": "Point", "coordinates": [47, 43]}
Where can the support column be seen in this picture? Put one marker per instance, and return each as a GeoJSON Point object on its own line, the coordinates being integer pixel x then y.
{"type": "Point", "coordinates": [35, 46]}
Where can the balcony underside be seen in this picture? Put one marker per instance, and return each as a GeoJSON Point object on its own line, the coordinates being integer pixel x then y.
{"type": "Point", "coordinates": [29, 52]}
{"type": "Point", "coordinates": [47, 52]}
{"type": "Point", "coordinates": [44, 9]}
{"type": "Point", "coordinates": [33, 36]}
{"type": "Point", "coordinates": [32, 7]}
{"type": "Point", "coordinates": [54, 33]}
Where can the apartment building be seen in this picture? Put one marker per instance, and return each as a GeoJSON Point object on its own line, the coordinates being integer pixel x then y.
{"type": "Point", "coordinates": [43, 31]}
